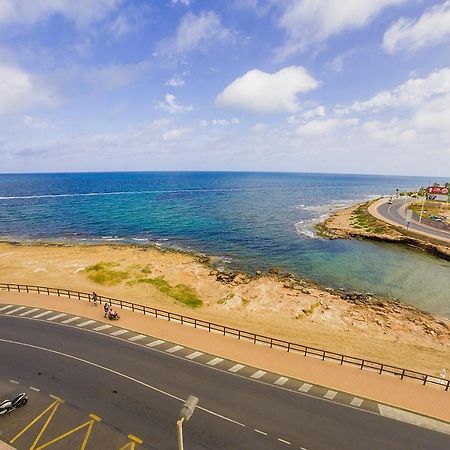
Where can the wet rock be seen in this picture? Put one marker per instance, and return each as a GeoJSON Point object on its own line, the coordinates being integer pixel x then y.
{"type": "Point", "coordinates": [274, 271]}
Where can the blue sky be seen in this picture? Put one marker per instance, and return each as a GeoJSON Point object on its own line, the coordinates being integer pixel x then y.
{"type": "Point", "coordinates": [354, 86]}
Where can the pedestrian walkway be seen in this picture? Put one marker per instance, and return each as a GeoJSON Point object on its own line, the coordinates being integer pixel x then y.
{"type": "Point", "coordinates": [244, 358]}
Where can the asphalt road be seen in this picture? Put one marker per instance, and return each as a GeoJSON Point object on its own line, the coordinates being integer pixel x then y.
{"type": "Point", "coordinates": [395, 212]}
{"type": "Point", "coordinates": [139, 390]}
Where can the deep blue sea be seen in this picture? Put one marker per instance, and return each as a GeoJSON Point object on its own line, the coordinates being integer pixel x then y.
{"type": "Point", "coordinates": [251, 220]}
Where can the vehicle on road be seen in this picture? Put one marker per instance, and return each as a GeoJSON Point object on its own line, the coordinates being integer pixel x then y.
{"type": "Point", "coordinates": [8, 406]}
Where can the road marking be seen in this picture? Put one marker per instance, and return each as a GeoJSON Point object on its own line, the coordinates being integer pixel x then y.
{"type": "Point", "coordinates": [285, 442]}
{"type": "Point", "coordinates": [356, 401]}
{"type": "Point", "coordinates": [174, 349]}
{"type": "Point", "coordinates": [15, 310]}
{"type": "Point", "coordinates": [30, 311]}
{"type": "Point", "coordinates": [34, 389]}
{"type": "Point", "coordinates": [135, 439]}
{"type": "Point", "coordinates": [45, 313]}
{"type": "Point", "coordinates": [194, 355]}
{"type": "Point", "coordinates": [281, 381]}
{"type": "Point", "coordinates": [14, 381]}
{"type": "Point", "coordinates": [83, 324]}
{"type": "Point", "coordinates": [305, 387]}
{"type": "Point", "coordinates": [155, 343]}
{"type": "Point", "coordinates": [102, 327]}
{"type": "Point", "coordinates": [72, 319]}
{"type": "Point", "coordinates": [58, 316]}
{"type": "Point", "coordinates": [236, 367]}
{"type": "Point", "coordinates": [261, 432]}
{"type": "Point", "coordinates": [6, 307]}
{"type": "Point", "coordinates": [120, 374]}
{"type": "Point", "coordinates": [55, 397]}
{"type": "Point", "coordinates": [137, 337]}
{"type": "Point", "coordinates": [118, 332]}
{"type": "Point", "coordinates": [330, 394]}
{"type": "Point", "coordinates": [258, 374]}
{"type": "Point", "coordinates": [214, 361]}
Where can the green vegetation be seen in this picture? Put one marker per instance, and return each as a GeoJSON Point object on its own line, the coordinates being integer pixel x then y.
{"type": "Point", "coordinates": [103, 273]}
{"type": "Point", "coordinates": [430, 208]}
{"type": "Point", "coordinates": [311, 309]}
{"type": "Point", "coordinates": [361, 218]}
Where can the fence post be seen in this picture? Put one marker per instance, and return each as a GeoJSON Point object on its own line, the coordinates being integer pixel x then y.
{"type": "Point", "coordinates": [342, 360]}
{"type": "Point", "coordinates": [289, 346]}
{"type": "Point", "coordinates": [48, 291]}
{"type": "Point", "coordinates": [38, 290]}
{"type": "Point", "coordinates": [27, 289]}
{"type": "Point", "coordinates": [323, 355]}
{"type": "Point", "coordinates": [132, 307]}
{"type": "Point", "coordinates": [362, 364]}
{"type": "Point", "coordinates": [381, 368]}
{"type": "Point", "coordinates": [18, 288]}
{"type": "Point", "coordinates": [403, 374]}
{"type": "Point", "coordinates": [448, 385]}
{"type": "Point", "coordinates": [57, 290]}
{"type": "Point", "coordinates": [239, 334]}
{"type": "Point", "coordinates": [168, 316]}
{"type": "Point", "coordinates": [209, 326]}
{"type": "Point", "coordinates": [68, 293]}
{"type": "Point", "coordinates": [271, 342]}
{"type": "Point", "coordinates": [254, 338]}
{"type": "Point", "coordinates": [425, 380]}
{"type": "Point", "coordinates": [9, 289]}
{"type": "Point", "coordinates": [195, 323]}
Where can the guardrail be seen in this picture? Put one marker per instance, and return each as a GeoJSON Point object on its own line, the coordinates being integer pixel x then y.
{"type": "Point", "coordinates": [324, 355]}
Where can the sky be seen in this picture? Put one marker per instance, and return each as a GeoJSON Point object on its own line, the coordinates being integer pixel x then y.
{"type": "Point", "coordinates": [342, 86]}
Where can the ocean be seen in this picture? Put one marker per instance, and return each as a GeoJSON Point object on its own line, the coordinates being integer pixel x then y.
{"type": "Point", "coordinates": [250, 221]}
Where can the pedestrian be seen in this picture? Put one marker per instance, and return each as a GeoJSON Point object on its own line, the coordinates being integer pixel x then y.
{"type": "Point", "coordinates": [95, 298]}
{"type": "Point", "coordinates": [106, 309]}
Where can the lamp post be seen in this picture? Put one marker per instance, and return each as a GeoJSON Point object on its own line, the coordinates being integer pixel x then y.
{"type": "Point", "coordinates": [185, 414]}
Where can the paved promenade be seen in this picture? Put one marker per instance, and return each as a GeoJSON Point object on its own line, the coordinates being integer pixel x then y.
{"type": "Point", "coordinates": [406, 394]}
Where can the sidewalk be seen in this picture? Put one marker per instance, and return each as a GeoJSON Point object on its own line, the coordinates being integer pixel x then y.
{"type": "Point", "coordinates": [406, 394]}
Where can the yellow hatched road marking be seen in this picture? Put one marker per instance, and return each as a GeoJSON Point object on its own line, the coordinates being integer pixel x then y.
{"type": "Point", "coordinates": [132, 445]}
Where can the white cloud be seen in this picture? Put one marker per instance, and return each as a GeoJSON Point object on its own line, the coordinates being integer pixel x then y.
{"type": "Point", "coordinates": [19, 90]}
{"type": "Point", "coordinates": [412, 92]}
{"type": "Point", "coordinates": [435, 115]}
{"type": "Point", "coordinates": [391, 132]}
{"type": "Point", "coordinates": [182, 2]}
{"type": "Point", "coordinates": [171, 106]}
{"type": "Point", "coordinates": [308, 22]}
{"type": "Point", "coordinates": [321, 127]}
{"type": "Point", "coordinates": [431, 28]}
{"type": "Point", "coordinates": [266, 92]}
{"type": "Point", "coordinates": [175, 82]}
{"type": "Point", "coordinates": [220, 122]}
{"type": "Point", "coordinates": [318, 111]}
{"type": "Point", "coordinates": [175, 134]}
{"type": "Point", "coordinates": [82, 12]}
{"type": "Point", "coordinates": [120, 26]}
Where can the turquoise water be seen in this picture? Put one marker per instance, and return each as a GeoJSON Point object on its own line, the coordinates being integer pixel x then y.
{"type": "Point", "coordinates": [251, 220]}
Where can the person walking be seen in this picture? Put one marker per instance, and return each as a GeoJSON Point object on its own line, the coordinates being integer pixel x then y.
{"type": "Point", "coordinates": [106, 309]}
{"type": "Point", "coordinates": [95, 298]}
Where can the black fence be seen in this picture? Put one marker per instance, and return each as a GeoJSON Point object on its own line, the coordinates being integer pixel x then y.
{"type": "Point", "coordinates": [240, 334]}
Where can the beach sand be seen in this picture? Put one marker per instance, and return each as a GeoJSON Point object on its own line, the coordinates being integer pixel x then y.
{"type": "Point", "coordinates": [272, 305]}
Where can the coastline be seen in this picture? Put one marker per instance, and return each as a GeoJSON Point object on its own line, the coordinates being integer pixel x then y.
{"type": "Point", "coordinates": [275, 304]}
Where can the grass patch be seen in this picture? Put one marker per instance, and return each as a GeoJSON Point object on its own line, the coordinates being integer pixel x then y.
{"type": "Point", "coordinates": [361, 218]}
{"type": "Point", "coordinates": [430, 208]}
{"type": "Point", "coordinates": [103, 273]}
{"type": "Point", "coordinates": [311, 309]}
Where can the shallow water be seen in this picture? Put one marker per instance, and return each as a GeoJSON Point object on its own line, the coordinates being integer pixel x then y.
{"type": "Point", "coordinates": [253, 220]}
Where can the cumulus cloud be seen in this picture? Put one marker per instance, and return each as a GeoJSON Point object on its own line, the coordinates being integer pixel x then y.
{"type": "Point", "coordinates": [175, 81]}
{"type": "Point", "coordinates": [321, 127]}
{"type": "Point", "coordinates": [309, 22]}
{"type": "Point", "coordinates": [175, 134]}
{"type": "Point", "coordinates": [82, 12]}
{"type": "Point", "coordinates": [220, 122]}
{"type": "Point", "coordinates": [431, 28]}
{"type": "Point", "coordinates": [171, 106]}
{"type": "Point", "coordinates": [20, 90]}
{"type": "Point", "coordinates": [268, 92]}
{"type": "Point", "coordinates": [182, 2]}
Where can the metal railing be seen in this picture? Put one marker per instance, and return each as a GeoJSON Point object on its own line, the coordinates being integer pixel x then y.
{"type": "Point", "coordinates": [324, 355]}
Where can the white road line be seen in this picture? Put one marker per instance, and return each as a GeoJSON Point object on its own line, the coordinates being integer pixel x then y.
{"type": "Point", "coordinates": [72, 319]}
{"type": "Point", "coordinates": [303, 448]}
{"type": "Point", "coordinates": [102, 327]}
{"type": "Point", "coordinates": [30, 311]}
{"type": "Point", "coordinates": [118, 332]}
{"type": "Point", "coordinates": [174, 349]}
{"type": "Point", "coordinates": [55, 397]}
{"type": "Point", "coordinates": [83, 324]}
{"type": "Point", "coordinates": [261, 432]}
{"type": "Point", "coordinates": [137, 337]}
{"type": "Point", "coordinates": [14, 381]}
{"type": "Point", "coordinates": [45, 313]}
{"type": "Point", "coordinates": [236, 368]}
{"type": "Point", "coordinates": [330, 394]}
{"type": "Point", "coordinates": [155, 343]}
{"type": "Point", "coordinates": [305, 387]}
{"type": "Point", "coordinates": [258, 374]}
{"type": "Point", "coordinates": [214, 361]}
{"type": "Point", "coordinates": [34, 389]}
{"type": "Point", "coordinates": [281, 381]}
{"type": "Point", "coordinates": [194, 355]}
{"type": "Point", "coordinates": [58, 316]}
{"type": "Point", "coordinates": [356, 401]}
{"type": "Point", "coordinates": [285, 442]}
{"type": "Point", "coordinates": [15, 310]}
{"type": "Point", "coordinates": [3, 308]}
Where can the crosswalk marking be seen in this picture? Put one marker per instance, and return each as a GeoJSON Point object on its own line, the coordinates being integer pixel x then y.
{"type": "Point", "coordinates": [45, 313]}
{"type": "Point", "coordinates": [72, 319]}
{"type": "Point", "coordinates": [58, 316]}
{"type": "Point", "coordinates": [118, 332]}
{"type": "Point", "coordinates": [174, 349]}
{"type": "Point", "coordinates": [155, 343]}
{"type": "Point", "coordinates": [305, 387]}
{"type": "Point", "coordinates": [83, 324]}
{"type": "Point", "coordinates": [29, 311]}
{"type": "Point", "coordinates": [3, 308]}
{"type": "Point", "coordinates": [194, 355]}
{"type": "Point", "coordinates": [356, 401]}
{"type": "Point", "coordinates": [102, 327]}
{"type": "Point", "coordinates": [137, 337]}
{"type": "Point", "coordinates": [214, 361]}
{"type": "Point", "coordinates": [281, 381]}
{"type": "Point", "coordinates": [330, 394]}
{"type": "Point", "coordinates": [258, 374]}
{"type": "Point", "coordinates": [15, 310]}
{"type": "Point", "coordinates": [236, 367]}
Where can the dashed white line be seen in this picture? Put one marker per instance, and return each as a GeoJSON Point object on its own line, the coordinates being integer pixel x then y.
{"type": "Point", "coordinates": [236, 368]}
{"type": "Point", "coordinates": [284, 441]}
{"type": "Point", "coordinates": [118, 332]}
{"type": "Point", "coordinates": [83, 324]}
{"type": "Point", "coordinates": [281, 381]}
{"type": "Point", "coordinates": [174, 349]}
{"type": "Point", "coordinates": [330, 394]}
{"type": "Point", "coordinates": [58, 316]}
{"type": "Point", "coordinates": [3, 308]}
{"type": "Point", "coordinates": [258, 374]}
{"type": "Point", "coordinates": [305, 387]}
{"type": "Point", "coordinates": [303, 448]}
{"type": "Point", "coordinates": [214, 361]}
{"type": "Point", "coordinates": [155, 343]}
{"type": "Point", "coordinates": [15, 310]}
{"type": "Point", "coordinates": [261, 432]}
{"type": "Point", "coordinates": [72, 319]}
{"type": "Point", "coordinates": [45, 313]}
{"type": "Point", "coordinates": [356, 401]}
{"type": "Point", "coordinates": [137, 337]}
{"type": "Point", "coordinates": [194, 355]}
{"type": "Point", "coordinates": [14, 381]}
{"type": "Point", "coordinates": [102, 327]}
{"type": "Point", "coordinates": [34, 389]}
{"type": "Point", "coordinates": [55, 397]}
{"type": "Point", "coordinates": [30, 311]}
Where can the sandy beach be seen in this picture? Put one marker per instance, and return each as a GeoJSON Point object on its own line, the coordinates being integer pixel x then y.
{"type": "Point", "coordinates": [276, 305]}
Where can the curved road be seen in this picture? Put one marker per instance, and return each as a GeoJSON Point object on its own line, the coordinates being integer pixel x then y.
{"type": "Point", "coordinates": [396, 213]}
{"type": "Point", "coordinates": [139, 390]}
